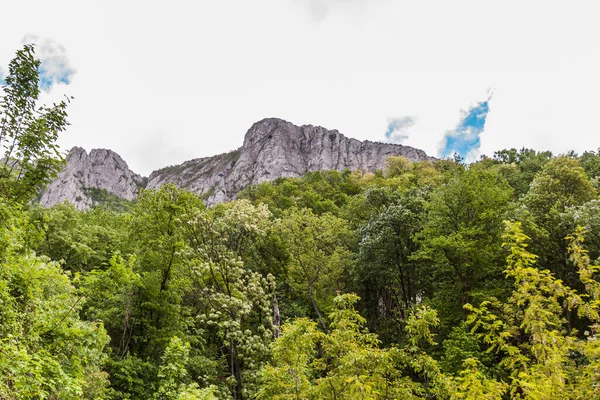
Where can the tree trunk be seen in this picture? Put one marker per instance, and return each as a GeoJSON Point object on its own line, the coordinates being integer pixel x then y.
{"type": "Point", "coordinates": [314, 303]}
{"type": "Point", "coordinates": [276, 318]}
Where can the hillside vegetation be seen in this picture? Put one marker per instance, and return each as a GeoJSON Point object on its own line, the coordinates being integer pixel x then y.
{"type": "Point", "coordinates": [425, 280]}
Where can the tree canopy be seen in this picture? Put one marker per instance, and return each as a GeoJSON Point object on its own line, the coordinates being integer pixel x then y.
{"type": "Point", "coordinates": [433, 279]}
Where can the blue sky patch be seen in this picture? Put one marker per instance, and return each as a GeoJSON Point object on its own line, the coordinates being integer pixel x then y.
{"type": "Point", "coordinates": [465, 138]}
{"type": "Point", "coordinates": [57, 73]}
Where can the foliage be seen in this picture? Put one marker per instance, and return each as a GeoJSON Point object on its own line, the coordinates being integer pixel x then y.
{"type": "Point", "coordinates": [103, 198]}
{"type": "Point", "coordinates": [80, 241]}
{"type": "Point", "coordinates": [28, 132]}
{"type": "Point", "coordinates": [164, 298]}
{"type": "Point", "coordinates": [347, 363]}
{"type": "Point", "coordinates": [539, 355]}
{"type": "Point", "coordinates": [520, 167]}
{"type": "Point", "coordinates": [460, 240]}
{"type": "Point", "coordinates": [320, 191]}
{"type": "Point", "coordinates": [233, 302]}
{"type": "Point", "coordinates": [388, 279]}
{"type": "Point", "coordinates": [319, 256]}
{"type": "Point", "coordinates": [46, 350]}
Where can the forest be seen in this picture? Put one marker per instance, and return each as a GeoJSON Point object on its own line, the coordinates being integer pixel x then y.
{"type": "Point", "coordinates": [426, 280]}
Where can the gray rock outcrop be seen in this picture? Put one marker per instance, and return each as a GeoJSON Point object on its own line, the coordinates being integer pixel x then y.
{"type": "Point", "coordinates": [101, 169]}
{"type": "Point", "coordinates": [275, 148]}
{"type": "Point", "coordinates": [272, 148]}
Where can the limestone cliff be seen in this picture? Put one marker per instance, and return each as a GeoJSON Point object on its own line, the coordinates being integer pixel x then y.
{"type": "Point", "coordinates": [275, 148]}
{"type": "Point", "coordinates": [101, 169]}
{"type": "Point", "coordinates": [272, 148]}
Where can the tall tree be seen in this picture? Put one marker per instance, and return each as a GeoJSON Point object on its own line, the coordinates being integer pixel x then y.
{"type": "Point", "coordinates": [461, 240]}
{"type": "Point", "coordinates": [319, 255]}
{"type": "Point", "coordinates": [560, 185]}
{"type": "Point", "coordinates": [233, 303]}
{"type": "Point", "coordinates": [389, 279]}
{"type": "Point", "coordinates": [28, 132]}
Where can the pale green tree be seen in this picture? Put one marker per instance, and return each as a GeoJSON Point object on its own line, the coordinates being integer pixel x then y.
{"type": "Point", "coordinates": [348, 363]}
{"type": "Point", "coordinates": [529, 332]}
{"type": "Point", "coordinates": [234, 303]}
{"type": "Point", "coordinates": [173, 378]}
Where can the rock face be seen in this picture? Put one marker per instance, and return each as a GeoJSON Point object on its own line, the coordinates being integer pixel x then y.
{"type": "Point", "coordinates": [272, 148]}
{"type": "Point", "coordinates": [275, 148]}
{"type": "Point", "coordinates": [101, 169]}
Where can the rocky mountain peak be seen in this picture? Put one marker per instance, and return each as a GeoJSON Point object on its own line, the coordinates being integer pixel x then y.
{"type": "Point", "coordinates": [276, 148]}
{"type": "Point", "coordinates": [281, 130]}
{"type": "Point", "coordinates": [272, 148]}
{"type": "Point", "coordinates": [100, 169]}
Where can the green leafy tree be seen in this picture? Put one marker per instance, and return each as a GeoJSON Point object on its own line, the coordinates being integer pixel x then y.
{"type": "Point", "coordinates": [347, 362]}
{"type": "Point", "coordinates": [81, 241]}
{"type": "Point", "coordinates": [28, 132]}
{"type": "Point", "coordinates": [157, 235]}
{"type": "Point", "coordinates": [112, 296]}
{"type": "Point", "coordinates": [319, 255]}
{"type": "Point", "coordinates": [587, 216]}
{"type": "Point", "coordinates": [174, 382]}
{"type": "Point", "coordinates": [46, 349]}
{"type": "Point", "coordinates": [141, 294]}
{"type": "Point", "coordinates": [460, 242]}
{"type": "Point", "coordinates": [390, 280]}
{"type": "Point", "coordinates": [321, 191]}
{"type": "Point", "coordinates": [590, 162]}
{"type": "Point", "coordinates": [233, 303]}
{"type": "Point", "coordinates": [560, 185]}
{"type": "Point", "coordinates": [539, 355]}
{"type": "Point", "coordinates": [519, 167]}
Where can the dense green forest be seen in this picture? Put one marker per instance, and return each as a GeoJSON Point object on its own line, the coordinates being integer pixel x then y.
{"type": "Point", "coordinates": [425, 280]}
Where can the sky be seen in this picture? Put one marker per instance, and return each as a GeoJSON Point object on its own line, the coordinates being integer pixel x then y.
{"type": "Point", "coordinates": [163, 82]}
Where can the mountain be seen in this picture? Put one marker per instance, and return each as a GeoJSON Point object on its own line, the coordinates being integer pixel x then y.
{"type": "Point", "coordinates": [83, 173]}
{"type": "Point", "coordinates": [272, 148]}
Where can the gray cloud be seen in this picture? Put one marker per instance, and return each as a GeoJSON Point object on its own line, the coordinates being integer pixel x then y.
{"type": "Point", "coordinates": [397, 129]}
{"type": "Point", "coordinates": [55, 67]}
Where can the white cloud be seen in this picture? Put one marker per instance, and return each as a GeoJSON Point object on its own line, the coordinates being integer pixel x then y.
{"type": "Point", "coordinates": [398, 129]}
{"type": "Point", "coordinates": [55, 67]}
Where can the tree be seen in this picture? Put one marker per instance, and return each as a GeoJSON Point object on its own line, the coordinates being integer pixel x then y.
{"type": "Point", "coordinates": [347, 362]}
{"type": "Point", "coordinates": [542, 359]}
{"type": "Point", "coordinates": [560, 185]}
{"type": "Point", "coordinates": [590, 161]}
{"type": "Point", "coordinates": [390, 280]}
{"type": "Point", "coordinates": [28, 132]}
{"type": "Point", "coordinates": [174, 383]}
{"type": "Point", "coordinates": [46, 349]}
{"type": "Point", "coordinates": [520, 167]}
{"type": "Point", "coordinates": [319, 255]}
{"type": "Point", "coordinates": [141, 294]}
{"type": "Point", "coordinates": [587, 216]}
{"type": "Point", "coordinates": [460, 242]}
{"type": "Point", "coordinates": [156, 232]}
{"type": "Point", "coordinates": [233, 303]}
{"type": "Point", "coordinates": [80, 240]}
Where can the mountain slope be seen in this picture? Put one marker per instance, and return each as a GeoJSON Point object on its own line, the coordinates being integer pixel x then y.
{"type": "Point", "coordinates": [275, 148]}
{"type": "Point", "coordinates": [272, 148]}
{"type": "Point", "coordinates": [101, 169]}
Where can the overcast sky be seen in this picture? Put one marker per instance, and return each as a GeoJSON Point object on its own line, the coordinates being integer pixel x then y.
{"type": "Point", "coordinates": [162, 82]}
